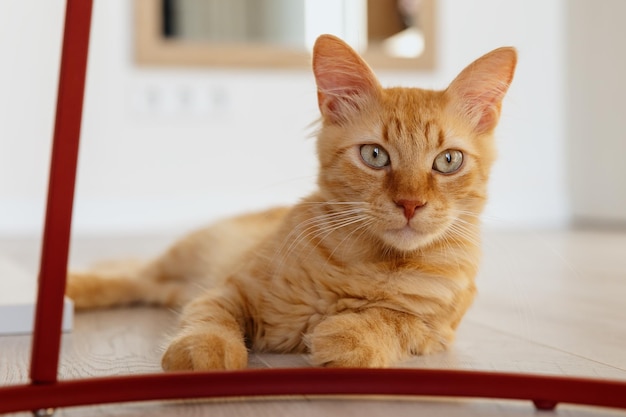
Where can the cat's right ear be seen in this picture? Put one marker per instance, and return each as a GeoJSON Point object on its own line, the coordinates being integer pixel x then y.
{"type": "Point", "coordinates": [344, 81]}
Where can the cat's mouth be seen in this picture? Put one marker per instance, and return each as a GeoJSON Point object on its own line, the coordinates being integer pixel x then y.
{"type": "Point", "coordinates": [406, 231]}
{"type": "Point", "coordinates": [406, 238]}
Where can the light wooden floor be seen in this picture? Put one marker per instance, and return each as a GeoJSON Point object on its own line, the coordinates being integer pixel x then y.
{"type": "Point", "coordinates": [549, 302]}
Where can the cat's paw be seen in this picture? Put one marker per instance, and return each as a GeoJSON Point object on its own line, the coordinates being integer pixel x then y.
{"type": "Point", "coordinates": [342, 341]}
{"type": "Point", "coordinates": [204, 351]}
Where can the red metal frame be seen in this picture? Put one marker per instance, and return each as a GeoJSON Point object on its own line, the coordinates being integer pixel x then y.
{"type": "Point", "coordinates": [57, 227]}
{"type": "Point", "coordinates": [45, 391]}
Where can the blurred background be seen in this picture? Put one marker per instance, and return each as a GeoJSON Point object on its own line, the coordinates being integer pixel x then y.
{"type": "Point", "coordinates": [169, 145]}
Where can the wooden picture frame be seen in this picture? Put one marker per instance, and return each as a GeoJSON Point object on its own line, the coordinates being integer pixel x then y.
{"type": "Point", "coordinates": [153, 49]}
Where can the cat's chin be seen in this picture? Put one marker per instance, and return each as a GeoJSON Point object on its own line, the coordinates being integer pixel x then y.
{"type": "Point", "coordinates": [406, 239]}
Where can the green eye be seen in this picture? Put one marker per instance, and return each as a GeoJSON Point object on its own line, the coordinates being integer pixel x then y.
{"type": "Point", "coordinates": [448, 161]}
{"type": "Point", "coordinates": [374, 156]}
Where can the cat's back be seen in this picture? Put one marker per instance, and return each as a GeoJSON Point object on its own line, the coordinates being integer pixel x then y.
{"type": "Point", "coordinates": [215, 251]}
{"type": "Point", "coordinates": [233, 237]}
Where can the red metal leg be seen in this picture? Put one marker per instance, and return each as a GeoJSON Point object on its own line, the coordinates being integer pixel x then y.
{"type": "Point", "coordinates": [53, 267]}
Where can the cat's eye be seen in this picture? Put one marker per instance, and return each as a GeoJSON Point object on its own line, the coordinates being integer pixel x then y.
{"type": "Point", "coordinates": [375, 156]}
{"type": "Point", "coordinates": [448, 161]}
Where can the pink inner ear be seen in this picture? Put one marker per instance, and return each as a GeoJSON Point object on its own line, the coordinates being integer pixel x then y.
{"type": "Point", "coordinates": [344, 80]}
{"type": "Point", "coordinates": [335, 106]}
{"type": "Point", "coordinates": [486, 109]}
{"type": "Point", "coordinates": [488, 120]}
{"type": "Point", "coordinates": [477, 92]}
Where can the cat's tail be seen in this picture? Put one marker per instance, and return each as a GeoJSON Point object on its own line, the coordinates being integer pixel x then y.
{"type": "Point", "coordinates": [123, 283]}
{"type": "Point", "coordinates": [197, 262]}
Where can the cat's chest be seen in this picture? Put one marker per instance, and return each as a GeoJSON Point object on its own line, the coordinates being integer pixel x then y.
{"type": "Point", "coordinates": [293, 304]}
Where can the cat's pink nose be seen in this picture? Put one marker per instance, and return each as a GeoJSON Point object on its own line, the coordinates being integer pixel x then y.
{"type": "Point", "coordinates": [409, 206]}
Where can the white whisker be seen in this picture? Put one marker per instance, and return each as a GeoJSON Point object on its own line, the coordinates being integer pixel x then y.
{"type": "Point", "coordinates": [320, 226]}
{"type": "Point", "coordinates": [361, 227]}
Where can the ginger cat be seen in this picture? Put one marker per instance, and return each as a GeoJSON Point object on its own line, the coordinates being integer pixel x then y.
{"type": "Point", "coordinates": [377, 265]}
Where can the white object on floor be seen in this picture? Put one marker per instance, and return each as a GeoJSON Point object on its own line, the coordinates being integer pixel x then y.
{"type": "Point", "coordinates": [18, 292]}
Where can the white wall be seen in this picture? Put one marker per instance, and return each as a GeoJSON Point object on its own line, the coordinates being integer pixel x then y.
{"type": "Point", "coordinates": [149, 166]}
{"type": "Point", "coordinates": [595, 106]}
{"type": "Point", "coordinates": [30, 36]}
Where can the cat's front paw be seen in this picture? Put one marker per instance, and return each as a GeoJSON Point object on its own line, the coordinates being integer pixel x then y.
{"type": "Point", "coordinates": [343, 341]}
{"type": "Point", "coordinates": [204, 351]}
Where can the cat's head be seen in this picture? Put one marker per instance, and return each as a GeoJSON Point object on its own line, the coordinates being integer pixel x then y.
{"type": "Point", "coordinates": [414, 162]}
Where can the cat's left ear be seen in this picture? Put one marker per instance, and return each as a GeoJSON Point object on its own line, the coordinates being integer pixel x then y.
{"type": "Point", "coordinates": [345, 83]}
{"type": "Point", "coordinates": [476, 93]}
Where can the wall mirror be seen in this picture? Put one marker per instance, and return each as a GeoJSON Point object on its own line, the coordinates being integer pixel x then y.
{"type": "Point", "coordinates": [392, 34]}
